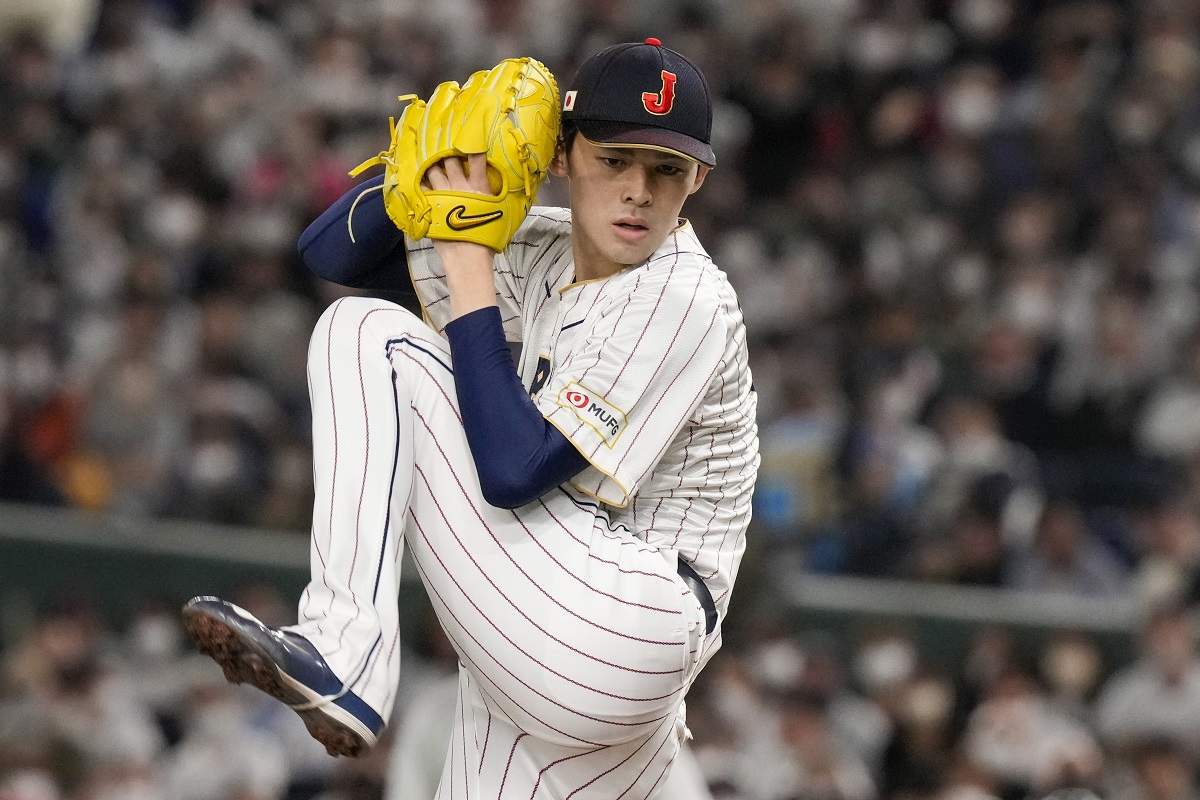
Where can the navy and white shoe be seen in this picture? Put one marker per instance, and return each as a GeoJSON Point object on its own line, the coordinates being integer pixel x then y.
{"type": "Point", "coordinates": [286, 666]}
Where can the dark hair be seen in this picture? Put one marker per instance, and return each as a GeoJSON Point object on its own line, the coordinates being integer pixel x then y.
{"type": "Point", "coordinates": [566, 135]}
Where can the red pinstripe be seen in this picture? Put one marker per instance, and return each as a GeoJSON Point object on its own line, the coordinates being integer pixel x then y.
{"type": "Point", "coordinates": [615, 325]}
{"type": "Point", "coordinates": [682, 470]}
{"type": "Point", "coordinates": [674, 337]}
{"type": "Point", "coordinates": [470, 501]}
{"type": "Point", "coordinates": [447, 397]}
{"type": "Point", "coordinates": [391, 653]}
{"type": "Point", "coordinates": [474, 721]}
{"type": "Point", "coordinates": [312, 531]}
{"type": "Point", "coordinates": [721, 547]}
{"type": "Point", "coordinates": [488, 702]}
{"type": "Point", "coordinates": [333, 481]}
{"type": "Point", "coordinates": [646, 327]}
{"type": "Point", "coordinates": [486, 736]}
{"type": "Point", "coordinates": [484, 676]}
{"type": "Point", "coordinates": [366, 461]}
{"type": "Point", "coordinates": [683, 521]}
{"type": "Point", "coordinates": [654, 514]}
{"type": "Point", "coordinates": [483, 614]}
{"type": "Point", "coordinates": [566, 312]}
{"type": "Point", "coordinates": [695, 399]}
{"type": "Point", "coordinates": [373, 660]}
{"type": "Point", "coordinates": [504, 780]}
{"type": "Point", "coordinates": [362, 489]}
{"type": "Point", "coordinates": [725, 534]}
{"type": "Point", "coordinates": [647, 766]}
{"type": "Point", "coordinates": [584, 583]}
{"type": "Point", "coordinates": [592, 555]}
{"type": "Point", "coordinates": [622, 763]}
{"type": "Point", "coordinates": [546, 768]}
{"type": "Point", "coordinates": [557, 278]}
{"type": "Point", "coordinates": [529, 619]}
{"type": "Point", "coordinates": [650, 415]}
{"type": "Point", "coordinates": [462, 727]}
{"type": "Point", "coordinates": [657, 780]}
{"type": "Point", "coordinates": [712, 642]}
{"type": "Point", "coordinates": [721, 483]}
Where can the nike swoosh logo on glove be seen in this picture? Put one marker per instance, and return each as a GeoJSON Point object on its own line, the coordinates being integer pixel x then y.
{"type": "Point", "coordinates": [458, 219]}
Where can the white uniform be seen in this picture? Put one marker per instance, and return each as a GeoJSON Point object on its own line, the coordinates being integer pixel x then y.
{"type": "Point", "coordinates": [577, 639]}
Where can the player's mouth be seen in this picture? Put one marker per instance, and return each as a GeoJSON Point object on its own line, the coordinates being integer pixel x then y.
{"type": "Point", "coordinates": [631, 229]}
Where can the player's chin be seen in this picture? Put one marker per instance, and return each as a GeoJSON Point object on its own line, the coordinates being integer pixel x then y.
{"type": "Point", "coordinates": [630, 254]}
{"type": "Point", "coordinates": [630, 259]}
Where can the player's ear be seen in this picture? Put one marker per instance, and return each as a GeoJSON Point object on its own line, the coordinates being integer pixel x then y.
{"type": "Point", "coordinates": [701, 174]}
{"type": "Point", "coordinates": [558, 164]}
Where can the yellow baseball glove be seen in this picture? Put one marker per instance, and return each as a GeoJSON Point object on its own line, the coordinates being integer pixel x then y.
{"type": "Point", "coordinates": [510, 113]}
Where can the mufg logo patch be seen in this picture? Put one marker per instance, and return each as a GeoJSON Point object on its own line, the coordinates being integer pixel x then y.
{"type": "Point", "coordinates": [592, 409]}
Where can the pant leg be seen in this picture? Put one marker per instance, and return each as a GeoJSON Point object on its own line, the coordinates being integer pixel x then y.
{"type": "Point", "coordinates": [362, 471]}
{"type": "Point", "coordinates": [575, 631]}
{"type": "Point", "coordinates": [488, 757]}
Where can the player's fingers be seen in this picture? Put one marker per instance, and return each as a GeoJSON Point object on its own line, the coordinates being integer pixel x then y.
{"type": "Point", "coordinates": [477, 172]}
{"type": "Point", "coordinates": [454, 172]}
{"type": "Point", "coordinates": [435, 176]}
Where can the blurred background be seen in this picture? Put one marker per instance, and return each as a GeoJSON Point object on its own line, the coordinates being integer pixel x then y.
{"type": "Point", "coordinates": [966, 238]}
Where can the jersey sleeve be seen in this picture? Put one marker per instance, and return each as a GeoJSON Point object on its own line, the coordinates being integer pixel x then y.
{"type": "Point", "coordinates": [535, 244]}
{"type": "Point", "coordinates": [636, 378]}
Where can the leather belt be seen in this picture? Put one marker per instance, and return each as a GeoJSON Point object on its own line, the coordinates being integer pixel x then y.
{"type": "Point", "coordinates": [692, 579]}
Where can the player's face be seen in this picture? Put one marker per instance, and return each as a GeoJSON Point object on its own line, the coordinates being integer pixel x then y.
{"type": "Point", "coordinates": [624, 201]}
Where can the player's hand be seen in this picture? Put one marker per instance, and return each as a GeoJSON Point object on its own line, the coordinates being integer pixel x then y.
{"type": "Point", "coordinates": [468, 264]}
{"type": "Point", "coordinates": [458, 174]}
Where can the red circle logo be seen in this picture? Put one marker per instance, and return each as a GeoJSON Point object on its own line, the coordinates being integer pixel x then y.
{"type": "Point", "coordinates": [578, 399]}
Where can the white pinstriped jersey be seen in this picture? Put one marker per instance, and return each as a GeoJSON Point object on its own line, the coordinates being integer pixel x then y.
{"type": "Point", "coordinates": [645, 371]}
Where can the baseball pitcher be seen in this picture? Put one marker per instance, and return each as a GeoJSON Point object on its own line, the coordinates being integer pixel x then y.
{"type": "Point", "coordinates": [577, 518]}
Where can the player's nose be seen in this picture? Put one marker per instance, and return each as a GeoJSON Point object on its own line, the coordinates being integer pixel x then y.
{"type": "Point", "coordinates": [637, 188]}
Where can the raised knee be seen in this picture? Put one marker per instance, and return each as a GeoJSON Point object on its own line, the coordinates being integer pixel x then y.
{"type": "Point", "coordinates": [351, 316]}
{"type": "Point", "coordinates": [357, 309]}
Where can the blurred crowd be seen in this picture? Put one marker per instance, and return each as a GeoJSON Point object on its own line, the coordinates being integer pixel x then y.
{"type": "Point", "coordinates": [93, 712]}
{"type": "Point", "coordinates": [819, 717]}
{"type": "Point", "coordinates": [88, 712]}
{"type": "Point", "coordinates": [965, 236]}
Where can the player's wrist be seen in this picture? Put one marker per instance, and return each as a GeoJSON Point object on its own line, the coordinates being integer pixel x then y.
{"type": "Point", "coordinates": [468, 276]}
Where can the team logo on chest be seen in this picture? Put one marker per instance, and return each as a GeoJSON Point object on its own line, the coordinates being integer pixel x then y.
{"type": "Point", "coordinates": [660, 103]}
{"type": "Point", "coordinates": [594, 411]}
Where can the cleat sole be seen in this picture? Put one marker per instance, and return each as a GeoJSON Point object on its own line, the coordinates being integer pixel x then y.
{"type": "Point", "coordinates": [244, 661]}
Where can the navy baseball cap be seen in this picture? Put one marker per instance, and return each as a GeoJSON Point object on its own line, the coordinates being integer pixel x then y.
{"type": "Point", "coordinates": [642, 94]}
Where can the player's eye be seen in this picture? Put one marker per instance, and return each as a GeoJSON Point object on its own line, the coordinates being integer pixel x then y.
{"type": "Point", "coordinates": [613, 162]}
{"type": "Point", "coordinates": [669, 170]}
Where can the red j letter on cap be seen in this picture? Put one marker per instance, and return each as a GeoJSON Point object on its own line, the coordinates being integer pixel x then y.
{"type": "Point", "coordinates": [661, 102]}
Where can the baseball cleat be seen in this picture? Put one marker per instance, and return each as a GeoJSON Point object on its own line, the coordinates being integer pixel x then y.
{"type": "Point", "coordinates": [286, 666]}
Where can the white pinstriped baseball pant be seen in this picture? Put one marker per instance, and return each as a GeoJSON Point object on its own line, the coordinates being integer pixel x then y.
{"type": "Point", "coordinates": [576, 642]}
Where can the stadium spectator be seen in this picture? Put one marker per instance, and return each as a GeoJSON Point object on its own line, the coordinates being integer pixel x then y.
{"type": "Point", "coordinates": [1066, 557]}
{"type": "Point", "coordinates": [1020, 740]}
{"type": "Point", "coordinates": [1159, 696]}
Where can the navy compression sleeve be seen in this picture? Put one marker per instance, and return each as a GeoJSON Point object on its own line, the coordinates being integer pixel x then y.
{"type": "Point", "coordinates": [376, 257]}
{"type": "Point", "coordinates": [518, 454]}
